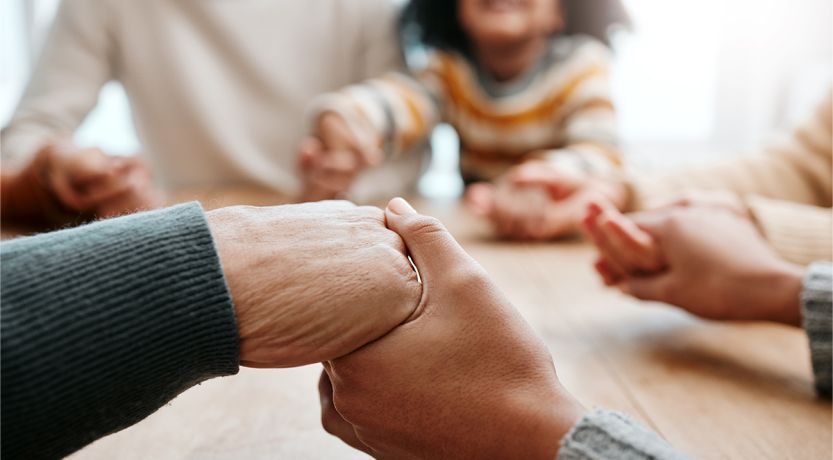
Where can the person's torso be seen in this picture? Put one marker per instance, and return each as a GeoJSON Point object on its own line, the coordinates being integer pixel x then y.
{"type": "Point", "coordinates": [219, 88]}
{"type": "Point", "coordinates": [499, 124]}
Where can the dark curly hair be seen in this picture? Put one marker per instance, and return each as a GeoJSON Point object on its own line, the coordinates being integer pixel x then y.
{"type": "Point", "coordinates": [436, 24]}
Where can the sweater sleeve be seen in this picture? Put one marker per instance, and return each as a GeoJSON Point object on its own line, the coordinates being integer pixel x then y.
{"type": "Point", "coordinates": [104, 324]}
{"type": "Point", "coordinates": [610, 435]}
{"type": "Point", "coordinates": [799, 233]}
{"type": "Point", "coordinates": [797, 170]}
{"type": "Point", "coordinates": [817, 312]}
{"type": "Point", "coordinates": [75, 63]}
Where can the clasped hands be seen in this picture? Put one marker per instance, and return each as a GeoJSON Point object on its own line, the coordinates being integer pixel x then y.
{"type": "Point", "coordinates": [535, 200]}
{"type": "Point", "coordinates": [443, 369]}
{"type": "Point", "coordinates": [67, 184]}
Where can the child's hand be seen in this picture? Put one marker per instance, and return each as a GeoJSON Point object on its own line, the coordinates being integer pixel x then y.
{"type": "Point", "coordinates": [625, 249]}
{"type": "Point", "coordinates": [331, 161]}
{"type": "Point", "coordinates": [538, 201]}
{"type": "Point", "coordinates": [516, 213]}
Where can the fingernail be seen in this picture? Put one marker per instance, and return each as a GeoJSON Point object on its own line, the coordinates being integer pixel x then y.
{"type": "Point", "coordinates": [401, 207]}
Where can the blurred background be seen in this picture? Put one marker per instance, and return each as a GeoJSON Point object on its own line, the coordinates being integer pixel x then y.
{"type": "Point", "coordinates": [693, 79]}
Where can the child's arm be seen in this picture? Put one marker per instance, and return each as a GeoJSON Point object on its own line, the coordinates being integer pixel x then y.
{"type": "Point", "coordinates": [625, 249]}
{"type": "Point", "coordinates": [361, 124]}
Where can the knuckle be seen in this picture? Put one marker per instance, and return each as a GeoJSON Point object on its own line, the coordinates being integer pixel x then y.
{"type": "Point", "coordinates": [425, 225]}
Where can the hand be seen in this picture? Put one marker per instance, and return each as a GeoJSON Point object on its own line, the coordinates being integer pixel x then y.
{"type": "Point", "coordinates": [465, 377]}
{"type": "Point", "coordinates": [718, 267]}
{"type": "Point", "coordinates": [625, 249]}
{"type": "Point", "coordinates": [538, 200]}
{"type": "Point", "coordinates": [312, 282]}
{"type": "Point", "coordinates": [331, 161]}
{"type": "Point", "coordinates": [64, 183]}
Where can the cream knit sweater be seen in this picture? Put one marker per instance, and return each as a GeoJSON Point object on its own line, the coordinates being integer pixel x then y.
{"type": "Point", "coordinates": [788, 189]}
{"type": "Point", "coordinates": [217, 88]}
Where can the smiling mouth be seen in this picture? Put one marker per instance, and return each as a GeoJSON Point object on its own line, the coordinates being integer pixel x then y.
{"type": "Point", "coordinates": [502, 6]}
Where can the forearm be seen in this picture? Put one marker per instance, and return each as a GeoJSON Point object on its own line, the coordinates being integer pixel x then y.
{"type": "Point", "coordinates": [393, 113]}
{"type": "Point", "coordinates": [103, 324]}
{"type": "Point", "coordinates": [817, 312]}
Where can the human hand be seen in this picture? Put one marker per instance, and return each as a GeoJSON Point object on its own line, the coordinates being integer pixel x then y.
{"type": "Point", "coordinates": [312, 282]}
{"type": "Point", "coordinates": [718, 267]}
{"type": "Point", "coordinates": [625, 249]}
{"type": "Point", "coordinates": [65, 184]}
{"type": "Point", "coordinates": [332, 159]}
{"type": "Point", "coordinates": [464, 377]}
{"type": "Point", "coordinates": [538, 200]}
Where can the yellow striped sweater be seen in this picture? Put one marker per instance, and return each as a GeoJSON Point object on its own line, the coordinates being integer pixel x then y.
{"type": "Point", "coordinates": [560, 110]}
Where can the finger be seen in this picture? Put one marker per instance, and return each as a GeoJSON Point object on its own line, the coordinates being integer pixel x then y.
{"type": "Point", "coordinates": [331, 420]}
{"type": "Point", "coordinates": [631, 247]}
{"type": "Point", "coordinates": [657, 288]}
{"type": "Point", "coordinates": [309, 153]}
{"type": "Point", "coordinates": [431, 246]}
{"type": "Point", "coordinates": [604, 270]}
{"type": "Point", "coordinates": [594, 225]}
{"type": "Point", "coordinates": [481, 198]}
{"type": "Point", "coordinates": [88, 166]}
{"type": "Point", "coordinates": [640, 249]}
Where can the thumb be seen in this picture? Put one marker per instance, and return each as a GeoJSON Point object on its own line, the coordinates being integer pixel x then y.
{"type": "Point", "coordinates": [657, 288]}
{"type": "Point", "coordinates": [431, 246]}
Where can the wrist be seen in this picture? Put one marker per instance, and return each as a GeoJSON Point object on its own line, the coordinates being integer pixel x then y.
{"type": "Point", "coordinates": [784, 286]}
{"type": "Point", "coordinates": [554, 418]}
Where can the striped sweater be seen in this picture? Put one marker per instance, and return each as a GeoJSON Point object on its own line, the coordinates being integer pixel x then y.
{"type": "Point", "coordinates": [560, 110]}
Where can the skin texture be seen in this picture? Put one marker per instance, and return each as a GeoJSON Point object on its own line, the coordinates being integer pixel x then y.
{"type": "Point", "coordinates": [312, 282]}
{"type": "Point", "coordinates": [539, 201]}
{"type": "Point", "coordinates": [706, 260]}
{"type": "Point", "coordinates": [465, 377]}
{"type": "Point", "coordinates": [65, 184]}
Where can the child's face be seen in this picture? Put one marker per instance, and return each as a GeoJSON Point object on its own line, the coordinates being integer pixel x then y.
{"type": "Point", "coordinates": [506, 22]}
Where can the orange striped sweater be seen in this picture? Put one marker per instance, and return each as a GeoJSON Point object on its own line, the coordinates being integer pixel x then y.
{"type": "Point", "coordinates": [560, 110]}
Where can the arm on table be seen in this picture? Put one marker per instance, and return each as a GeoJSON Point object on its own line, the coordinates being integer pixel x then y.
{"type": "Point", "coordinates": [104, 324]}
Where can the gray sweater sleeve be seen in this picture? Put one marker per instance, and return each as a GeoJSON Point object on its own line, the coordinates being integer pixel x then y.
{"type": "Point", "coordinates": [104, 324]}
{"type": "Point", "coordinates": [602, 435]}
{"type": "Point", "coordinates": [817, 313]}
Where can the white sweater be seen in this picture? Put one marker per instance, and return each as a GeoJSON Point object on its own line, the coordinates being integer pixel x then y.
{"type": "Point", "coordinates": [217, 88]}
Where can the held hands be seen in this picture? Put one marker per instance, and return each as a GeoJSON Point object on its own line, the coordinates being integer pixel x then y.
{"type": "Point", "coordinates": [537, 200]}
{"type": "Point", "coordinates": [88, 183]}
{"type": "Point", "coordinates": [312, 282]}
{"type": "Point", "coordinates": [331, 161]}
{"type": "Point", "coordinates": [706, 260]}
{"type": "Point", "coordinates": [464, 377]}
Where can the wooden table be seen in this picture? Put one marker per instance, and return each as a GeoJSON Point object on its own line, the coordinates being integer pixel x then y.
{"type": "Point", "coordinates": [713, 390]}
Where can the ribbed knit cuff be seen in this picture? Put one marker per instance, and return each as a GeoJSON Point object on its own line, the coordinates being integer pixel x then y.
{"type": "Point", "coordinates": [104, 324]}
{"type": "Point", "coordinates": [611, 435]}
{"type": "Point", "coordinates": [799, 233]}
{"type": "Point", "coordinates": [817, 306]}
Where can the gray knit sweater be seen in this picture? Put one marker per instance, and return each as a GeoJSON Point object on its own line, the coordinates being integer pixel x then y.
{"type": "Point", "coordinates": [103, 324]}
